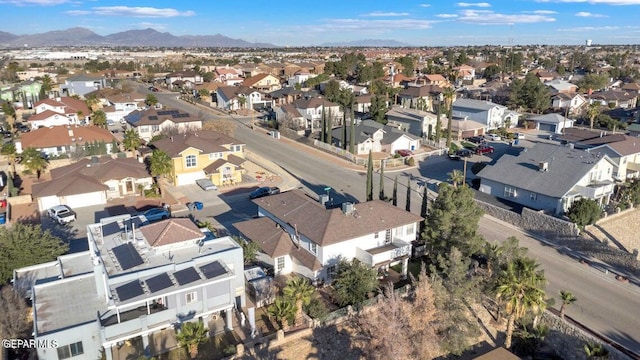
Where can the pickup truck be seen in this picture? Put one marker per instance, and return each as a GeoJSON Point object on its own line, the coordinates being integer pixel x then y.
{"type": "Point", "coordinates": [62, 214]}
{"type": "Point", "coordinates": [484, 149]}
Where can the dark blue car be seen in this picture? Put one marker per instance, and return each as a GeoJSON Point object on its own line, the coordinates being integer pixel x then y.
{"type": "Point", "coordinates": [156, 214]}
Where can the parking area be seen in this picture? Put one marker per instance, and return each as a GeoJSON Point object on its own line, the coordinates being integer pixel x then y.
{"type": "Point", "coordinates": [193, 192]}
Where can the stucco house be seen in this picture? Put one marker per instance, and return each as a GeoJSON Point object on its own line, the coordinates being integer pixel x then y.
{"type": "Point", "coordinates": [188, 79]}
{"type": "Point", "coordinates": [82, 84]}
{"type": "Point", "coordinates": [263, 82]}
{"type": "Point", "coordinates": [416, 122]}
{"type": "Point", "coordinates": [241, 97]}
{"type": "Point", "coordinates": [290, 117]}
{"type": "Point", "coordinates": [550, 177]}
{"type": "Point", "coordinates": [423, 97]}
{"type": "Point", "coordinates": [69, 140]}
{"type": "Point", "coordinates": [624, 153]}
{"type": "Point", "coordinates": [59, 111]}
{"type": "Point", "coordinates": [485, 112]}
{"type": "Point", "coordinates": [228, 75]}
{"type": "Point", "coordinates": [573, 102]}
{"type": "Point", "coordinates": [204, 154]}
{"type": "Point", "coordinates": [121, 290]}
{"type": "Point", "coordinates": [311, 109]}
{"type": "Point", "coordinates": [151, 122]}
{"type": "Point", "coordinates": [376, 137]}
{"type": "Point", "coordinates": [121, 105]}
{"type": "Point", "coordinates": [311, 240]}
{"type": "Point", "coordinates": [551, 122]}
{"type": "Point", "coordinates": [91, 182]}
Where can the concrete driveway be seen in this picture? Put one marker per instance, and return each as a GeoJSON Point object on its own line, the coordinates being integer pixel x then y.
{"type": "Point", "coordinates": [193, 192]}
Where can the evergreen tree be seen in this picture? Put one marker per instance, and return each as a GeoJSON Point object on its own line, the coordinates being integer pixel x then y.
{"type": "Point", "coordinates": [323, 129]}
{"type": "Point", "coordinates": [424, 206]}
{"type": "Point", "coordinates": [114, 146]}
{"type": "Point", "coordinates": [381, 192]}
{"type": "Point", "coordinates": [369, 189]}
{"type": "Point", "coordinates": [354, 281]}
{"type": "Point", "coordinates": [408, 204]}
{"type": "Point", "coordinates": [394, 198]}
{"type": "Point", "coordinates": [438, 132]}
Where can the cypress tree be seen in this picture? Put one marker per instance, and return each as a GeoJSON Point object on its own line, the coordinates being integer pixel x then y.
{"type": "Point", "coordinates": [394, 198]}
{"type": "Point", "coordinates": [370, 177]}
{"type": "Point", "coordinates": [324, 125]}
{"type": "Point", "coordinates": [423, 208]}
{"type": "Point", "coordinates": [352, 134]}
{"type": "Point", "coordinates": [408, 206]}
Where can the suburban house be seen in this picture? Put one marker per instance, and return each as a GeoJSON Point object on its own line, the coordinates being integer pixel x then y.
{"type": "Point", "coordinates": [462, 128]}
{"type": "Point", "coordinates": [437, 80]}
{"type": "Point", "coordinates": [26, 93]}
{"type": "Point", "coordinates": [550, 177]}
{"type": "Point", "coordinates": [151, 122]}
{"type": "Point", "coordinates": [573, 102]}
{"type": "Point", "coordinates": [465, 73]}
{"type": "Point", "coordinates": [376, 137]}
{"type": "Point", "coordinates": [138, 282]}
{"type": "Point", "coordinates": [300, 77]}
{"type": "Point", "coordinates": [363, 103]}
{"type": "Point", "coordinates": [420, 97]}
{"type": "Point", "coordinates": [60, 111]}
{"type": "Point", "coordinates": [240, 97]}
{"type": "Point", "coordinates": [204, 155]}
{"type": "Point", "coordinates": [285, 95]}
{"type": "Point", "coordinates": [262, 82]}
{"type": "Point", "coordinates": [625, 153]}
{"type": "Point", "coordinates": [416, 122]}
{"type": "Point", "coordinates": [290, 117]}
{"type": "Point", "coordinates": [485, 112]}
{"type": "Point", "coordinates": [311, 109]}
{"type": "Point", "coordinates": [121, 105]}
{"type": "Point", "coordinates": [228, 75]}
{"type": "Point", "coordinates": [615, 98]}
{"type": "Point", "coordinates": [91, 182]}
{"type": "Point", "coordinates": [69, 140]}
{"type": "Point", "coordinates": [552, 122]}
{"type": "Point", "coordinates": [561, 86]}
{"type": "Point", "coordinates": [183, 79]}
{"type": "Point", "coordinates": [82, 84]}
{"type": "Point", "coordinates": [311, 240]}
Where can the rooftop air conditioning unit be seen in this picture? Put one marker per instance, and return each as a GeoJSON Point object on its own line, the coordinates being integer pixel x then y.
{"type": "Point", "coordinates": [543, 166]}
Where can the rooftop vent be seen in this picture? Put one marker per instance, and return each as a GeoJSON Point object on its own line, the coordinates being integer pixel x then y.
{"type": "Point", "coordinates": [543, 166]}
{"type": "Point", "coordinates": [348, 208]}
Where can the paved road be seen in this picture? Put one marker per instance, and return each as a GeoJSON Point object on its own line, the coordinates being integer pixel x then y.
{"type": "Point", "coordinates": [605, 305]}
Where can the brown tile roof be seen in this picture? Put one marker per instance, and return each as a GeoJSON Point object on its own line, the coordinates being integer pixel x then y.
{"type": "Point", "coordinates": [628, 146]}
{"type": "Point", "coordinates": [421, 91]}
{"type": "Point", "coordinates": [171, 231]}
{"type": "Point", "coordinates": [206, 141]}
{"type": "Point", "coordinates": [250, 81]}
{"type": "Point", "coordinates": [68, 185]}
{"type": "Point", "coordinates": [214, 166]}
{"type": "Point", "coordinates": [44, 115]}
{"type": "Point", "coordinates": [312, 103]}
{"type": "Point", "coordinates": [326, 227]}
{"type": "Point", "coordinates": [61, 136]}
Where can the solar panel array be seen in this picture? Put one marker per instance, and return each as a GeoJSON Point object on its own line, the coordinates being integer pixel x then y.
{"type": "Point", "coordinates": [129, 290]}
{"type": "Point", "coordinates": [111, 228]}
{"type": "Point", "coordinates": [186, 276]}
{"type": "Point", "coordinates": [213, 269]}
{"type": "Point", "coordinates": [159, 282]}
{"type": "Point", "coordinates": [153, 117]}
{"type": "Point", "coordinates": [168, 112]}
{"type": "Point", "coordinates": [127, 256]}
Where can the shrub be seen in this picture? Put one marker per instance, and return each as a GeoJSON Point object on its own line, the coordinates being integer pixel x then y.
{"type": "Point", "coordinates": [584, 212]}
{"type": "Point", "coordinates": [411, 161]}
{"type": "Point", "coordinates": [316, 309]}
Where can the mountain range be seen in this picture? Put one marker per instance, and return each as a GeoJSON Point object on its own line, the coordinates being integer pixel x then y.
{"type": "Point", "coordinates": [79, 36]}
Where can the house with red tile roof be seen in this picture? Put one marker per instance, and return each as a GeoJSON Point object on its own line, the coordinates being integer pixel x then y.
{"type": "Point", "coordinates": [61, 140]}
{"type": "Point", "coordinates": [228, 75]}
{"type": "Point", "coordinates": [59, 111]}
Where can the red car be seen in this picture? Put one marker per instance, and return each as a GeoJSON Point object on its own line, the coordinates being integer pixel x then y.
{"type": "Point", "coordinates": [484, 149]}
{"type": "Point", "coordinates": [404, 153]}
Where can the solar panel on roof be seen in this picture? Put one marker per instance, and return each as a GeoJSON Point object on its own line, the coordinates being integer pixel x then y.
{"type": "Point", "coordinates": [110, 228]}
{"type": "Point", "coordinates": [127, 256]}
{"type": "Point", "coordinates": [174, 112]}
{"type": "Point", "coordinates": [153, 117]}
{"type": "Point", "coordinates": [213, 269]}
{"type": "Point", "coordinates": [159, 282]}
{"type": "Point", "coordinates": [134, 220]}
{"type": "Point", "coordinates": [186, 276]}
{"type": "Point", "coordinates": [129, 290]}
{"type": "Point", "coordinates": [163, 113]}
{"type": "Point", "coordinates": [175, 116]}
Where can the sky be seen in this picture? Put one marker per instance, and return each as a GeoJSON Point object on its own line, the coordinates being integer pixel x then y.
{"type": "Point", "coordinates": [309, 23]}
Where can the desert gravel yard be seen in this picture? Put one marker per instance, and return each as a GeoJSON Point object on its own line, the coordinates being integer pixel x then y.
{"type": "Point", "coordinates": [622, 228]}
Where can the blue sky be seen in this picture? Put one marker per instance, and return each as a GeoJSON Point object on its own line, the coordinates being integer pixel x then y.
{"type": "Point", "coordinates": [301, 23]}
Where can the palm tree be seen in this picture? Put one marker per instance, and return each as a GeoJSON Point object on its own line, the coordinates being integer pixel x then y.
{"type": "Point", "coordinates": [282, 311]}
{"type": "Point", "coordinates": [567, 299]}
{"type": "Point", "coordinates": [300, 291]}
{"type": "Point", "coordinates": [160, 164]}
{"type": "Point", "coordinates": [449, 93]}
{"type": "Point", "coordinates": [10, 112]}
{"type": "Point", "coordinates": [92, 103]}
{"type": "Point", "coordinates": [592, 113]}
{"type": "Point", "coordinates": [9, 150]}
{"type": "Point", "coordinates": [191, 335]}
{"type": "Point", "coordinates": [99, 118]}
{"type": "Point", "coordinates": [521, 287]}
{"type": "Point", "coordinates": [242, 101]}
{"type": "Point", "coordinates": [131, 141]}
{"type": "Point", "coordinates": [33, 160]}
{"type": "Point", "coordinates": [456, 178]}
{"type": "Point", "coordinates": [596, 351]}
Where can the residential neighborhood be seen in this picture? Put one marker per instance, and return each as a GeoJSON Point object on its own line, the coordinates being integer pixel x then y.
{"type": "Point", "coordinates": [237, 203]}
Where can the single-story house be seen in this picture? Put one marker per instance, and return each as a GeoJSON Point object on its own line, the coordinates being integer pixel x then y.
{"type": "Point", "coordinates": [551, 122]}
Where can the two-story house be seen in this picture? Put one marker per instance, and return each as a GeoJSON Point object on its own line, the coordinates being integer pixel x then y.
{"type": "Point", "coordinates": [151, 122]}
{"type": "Point", "coordinates": [376, 137]}
{"type": "Point", "coordinates": [121, 105]}
{"type": "Point", "coordinates": [297, 234]}
{"type": "Point", "coordinates": [289, 117]}
{"type": "Point", "coordinates": [188, 79]}
{"type": "Point", "coordinates": [262, 82]}
{"type": "Point", "coordinates": [550, 177]}
{"type": "Point", "coordinates": [312, 109]}
{"type": "Point", "coordinates": [624, 153]}
{"type": "Point", "coordinates": [416, 122]}
{"type": "Point", "coordinates": [485, 112]}
{"type": "Point", "coordinates": [204, 154]}
{"type": "Point", "coordinates": [228, 75]}
{"type": "Point", "coordinates": [59, 111]}
{"type": "Point", "coordinates": [241, 97]}
{"type": "Point", "coordinates": [421, 97]}
{"type": "Point", "coordinates": [138, 282]}
{"type": "Point", "coordinates": [82, 84]}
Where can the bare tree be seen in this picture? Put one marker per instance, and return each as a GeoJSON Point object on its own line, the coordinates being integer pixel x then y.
{"type": "Point", "coordinates": [13, 321]}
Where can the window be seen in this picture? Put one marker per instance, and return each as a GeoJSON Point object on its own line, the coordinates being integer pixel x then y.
{"type": "Point", "coordinates": [155, 128]}
{"type": "Point", "coordinates": [387, 236]}
{"type": "Point", "coordinates": [313, 247]}
{"type": "Point", "coordinates": [398, 231]}
{"type": "Point", "coordinates": [280, 264]}
{"type": "Point", "coordinates": [410, 229]}
{"type": "Point", "coordinates": [237, 148]}
{"type": "Point", "coordinates": [533, 197]}
{"type": "Point", "coordinates": [509, 191]}
{"type": "Point", "coordinates": [376, 235]}
{"type": "Point", "coordinates": [191, 297]}
{"type": "Point", "coordinates": [213, 156]}
{"type": "Point", "coordinates": [190, 161]}
{"type": "Point", "coordinates": [67, 351]}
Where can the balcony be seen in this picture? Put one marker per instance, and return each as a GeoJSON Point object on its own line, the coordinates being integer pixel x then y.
{"type": "Point", "coordinates": [596, 189]}
{"type": "Point", "coordinates": [137, 320]}
{"type": "Point", "coordinates": [385, 254]}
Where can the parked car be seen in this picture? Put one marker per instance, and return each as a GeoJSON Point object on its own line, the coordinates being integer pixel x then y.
{"type": "Point", "coordinates": [264, 191]}
{"type": "Point", "coordinates": [404, 152]}
{"type": "Point", "coordinates": [493, 137]}
{"type": "Point", "coordinates": [62, 214]}
{"type": "Point", "coordinates": [476, 139]}
{"type": "Point", "coordinates": [454, 156]}
{"type": "Point", "coordinates": [464, 153]}
{"type": "Point", "coordinates": [23, 128]}
{"type": "Point", "coordinates": [485, 149]}
{"type": "Point", "coordinates": [156, 214]}
{"type": "Point", "coordinates": [518, 135]}
{"type": "Point", "coordinates": [206, 184]}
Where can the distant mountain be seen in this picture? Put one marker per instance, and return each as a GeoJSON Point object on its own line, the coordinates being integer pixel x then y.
{"type": "Point", "coordinates": [368, 43]}
{"type": "Point", "coordinates": [83, 37]}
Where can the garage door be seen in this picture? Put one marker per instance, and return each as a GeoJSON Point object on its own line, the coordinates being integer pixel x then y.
{"type": "Point", "coordinates": [189, 178]}
{"type": "Point", "coordinates": [468, 134]}
{"type": "Point", "coordinates": [47, 202]}
{"type": "Point", "coordinates": [547, 127]}
{"type": "Point", "coordinates": [82, 200]}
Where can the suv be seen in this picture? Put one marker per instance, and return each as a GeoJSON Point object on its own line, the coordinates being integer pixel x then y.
{"type": "Point", "coordinates": [156, 214]}
{"type": "Point", "coordinates": [484, 149]}
{"type": "Point", "coordinates": [62, 214]}
{"type": "Point", "coordinates": [476, 139]}
{"type": "Point", "coordinates": [264, 191]}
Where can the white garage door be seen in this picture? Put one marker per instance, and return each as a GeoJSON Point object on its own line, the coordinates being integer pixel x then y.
{"type": "Point", "coordinates": [190, 178]}
{"type": "Point", "coordinates": [47, 202]}
{"type": "Point", "coordinates": [82, 200]}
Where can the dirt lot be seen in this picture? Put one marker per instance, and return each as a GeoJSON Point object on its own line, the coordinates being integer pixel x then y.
{"type": "Point", "coordinates": [621, 230]}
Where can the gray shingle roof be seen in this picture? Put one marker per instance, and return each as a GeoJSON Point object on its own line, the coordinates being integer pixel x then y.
{"type": "Point", "coordinates": [475, 105]}
{"type": "Point", "coordinates": [566, 167]}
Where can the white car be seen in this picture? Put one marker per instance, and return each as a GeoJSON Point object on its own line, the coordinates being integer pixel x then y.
{"type": "Point", "coordinates": [206, 184]}
{"type": "Point", "coordinates": [62, 214]}
{"type": "Point", "coordinates": [493, 137]}
{"type": "Point", "coordinates": [518, 135]}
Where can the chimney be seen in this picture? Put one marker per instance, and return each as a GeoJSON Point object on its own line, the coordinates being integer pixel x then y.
{"type": "Point", "coordinates": [543, 166]}
{"type": "Point", "coordinates": [70, 133]}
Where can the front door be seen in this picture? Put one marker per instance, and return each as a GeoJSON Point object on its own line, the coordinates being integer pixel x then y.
{"type": "Point", "coordinates": [129, 186]}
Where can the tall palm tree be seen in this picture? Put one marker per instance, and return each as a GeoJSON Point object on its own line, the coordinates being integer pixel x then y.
{"type": "Point", "coordinates": [521, 287]}
{"type": "Point", "coordinates": [282, 310]}
{"type": "Point", "coordinates": [567, 299]}
{"type": "Point", "coordinates": [9, 150]}
{"type": "Point", "coordinates": [300, 291]}
{"type": "Point", "coordinates": [131, 141]}
{"type": "Point", "coordinates": [33, 160]}
{"type": "Point", "coordinates": [99, 118]}
{"type": "Point", "coordinates": [449, 93]}
{"type": "Point", "coordinates": [456, 177]}
{"type": "Point", "coordinates": [592, 113]}
{"type": "Point", "coordinates": [93, 103]}
{"type": "Point", "coordinates": [191, 335]}
{"type": "Point", "coordinates": [160, 165]}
